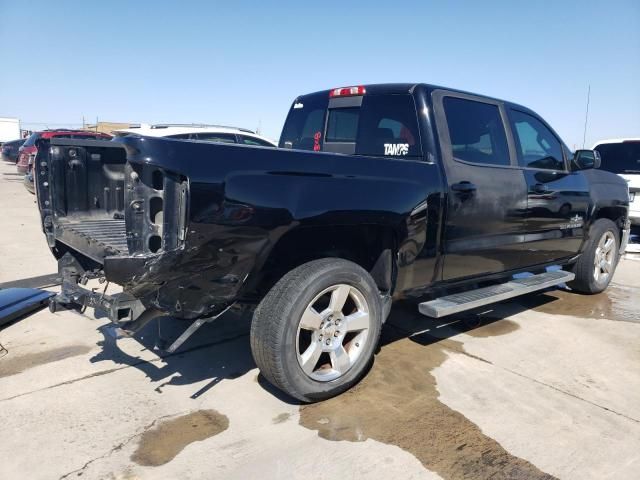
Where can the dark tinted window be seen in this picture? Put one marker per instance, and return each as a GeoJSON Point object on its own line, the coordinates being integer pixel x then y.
{"type": "Point", "coordinates": [254, 141]}
{"type": "Point", "coordinates": [537, 147]}
{"type": "Point", "coordinates": [388, 126]}
{"type": "Point", "coordinates": [31, 141]}
{"type": "Point", "coordinates": [476, 131]}
{"type": "Point", "coordinates": [620, 157]}
{"type": "Point", "coordinates": [305, 123]}
{"type": "Point", "coordinates": [342, 125]}
{"type": "Point", "coordinates": [183, 136]}
{"type": "Point", "coordinates": [217, 137]}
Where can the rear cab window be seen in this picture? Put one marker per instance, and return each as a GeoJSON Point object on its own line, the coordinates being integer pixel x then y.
{"type": "Point", "coordinates": [371, 125]}
{"type": "Point", "coordinates": [304, 126]}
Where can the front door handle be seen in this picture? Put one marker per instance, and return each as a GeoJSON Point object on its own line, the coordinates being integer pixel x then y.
{"type": "Point", "coordinates": [463, 187]}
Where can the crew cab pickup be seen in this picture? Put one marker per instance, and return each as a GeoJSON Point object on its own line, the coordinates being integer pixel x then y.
{"type": "Point", "coordinates": [376, 193]}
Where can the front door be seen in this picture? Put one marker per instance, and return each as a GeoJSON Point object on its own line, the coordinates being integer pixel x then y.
{"type": "Point", "coordinates": [487, 194]}
{"type": "Point", "coordinates": [557, 199]}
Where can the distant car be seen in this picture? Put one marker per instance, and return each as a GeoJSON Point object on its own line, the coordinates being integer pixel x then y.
{"type": "Point", "coordinates": [622, 156]}
{"type": "Point", "coordinates": [9, 151]}
{"type": "Point", "coordinates": [27, 152]}
{"type": "Point", "coordinates": [206, 133]}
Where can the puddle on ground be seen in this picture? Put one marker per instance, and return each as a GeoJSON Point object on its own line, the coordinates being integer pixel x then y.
{"type": "Point", "coordinates": [616, 303]}
{"type": "Point", "coordinates": [492, 329]}
{"type": "Point", "coordinates": [12, 365]}
{"type": "Point", "coordinates": [397, 404]}
{"type": "Point", "coordinates": [161, 444]}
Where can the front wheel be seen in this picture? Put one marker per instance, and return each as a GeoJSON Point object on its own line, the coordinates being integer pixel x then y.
{"type": "Point", "coordinates": [314, 334]}
{"type": "Point", "coordinates": [597, 263]}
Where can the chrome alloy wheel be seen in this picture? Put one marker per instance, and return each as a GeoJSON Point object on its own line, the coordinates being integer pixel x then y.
{"type": "Point", "coordinates": [605, 257]}
{"type": "Point", "coordinates": [332, 332]}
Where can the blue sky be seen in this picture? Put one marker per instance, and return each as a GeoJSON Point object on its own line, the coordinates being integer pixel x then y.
{"type": "Point", "coordinates": [242, 63]}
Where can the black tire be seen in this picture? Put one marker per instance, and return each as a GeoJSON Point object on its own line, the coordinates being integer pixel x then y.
{"type": "Point", "coordinates": [275, 327]}
{"type": "Point", "coordinates": [585, 281]}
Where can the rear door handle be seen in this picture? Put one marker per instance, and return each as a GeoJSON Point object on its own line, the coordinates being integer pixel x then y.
{"type": "Point", "coordinates": [463, 187]}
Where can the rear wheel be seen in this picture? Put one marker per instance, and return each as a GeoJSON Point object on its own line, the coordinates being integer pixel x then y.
{"type": "Point", "coordinates": [597, 263]}
{"type": "Point", "coordinates": [314, 333]}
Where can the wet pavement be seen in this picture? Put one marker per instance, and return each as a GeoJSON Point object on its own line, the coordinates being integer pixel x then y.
{"type": "Point", "coordinates": [617, 303]}
{"type": "Point", "coordinates": [545, 386]}
{"type": "Point", "coordinates": [398, 404]}
{"type": "Point", "coordinates": [169, 437]}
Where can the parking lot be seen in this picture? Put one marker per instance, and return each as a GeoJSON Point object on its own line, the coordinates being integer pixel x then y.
{"type": "Point", "coordinates": [545, 386]}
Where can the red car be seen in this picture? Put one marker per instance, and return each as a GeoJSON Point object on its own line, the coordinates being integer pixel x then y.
{"type": "Point", "coordinates": [28, 150]}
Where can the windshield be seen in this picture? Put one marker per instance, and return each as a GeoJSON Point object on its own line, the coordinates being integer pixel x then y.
{"type": "Point", "coordinates": [620, 157]}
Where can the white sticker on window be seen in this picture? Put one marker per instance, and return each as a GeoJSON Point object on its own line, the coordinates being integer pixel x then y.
{"type": "Point", "coordinates": [396, 148]}
{"type": "Point", "coordinates": [298, 105]}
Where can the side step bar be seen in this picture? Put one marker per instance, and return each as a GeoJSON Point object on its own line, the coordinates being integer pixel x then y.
{"type": "Point", "coordinates": [460, 302]}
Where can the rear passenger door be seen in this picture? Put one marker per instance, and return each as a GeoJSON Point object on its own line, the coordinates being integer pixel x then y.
{"type": "Point", "coordinates": [487, 195]}
{"type": "Point", "coordinates": [557, 199]}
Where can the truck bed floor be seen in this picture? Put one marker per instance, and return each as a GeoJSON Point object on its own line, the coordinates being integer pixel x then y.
{"type": "Point", "coordinates": [108, 234]}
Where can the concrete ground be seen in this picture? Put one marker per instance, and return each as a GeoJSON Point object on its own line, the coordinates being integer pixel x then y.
{"type": "Point", "coordinates": [546, 386]}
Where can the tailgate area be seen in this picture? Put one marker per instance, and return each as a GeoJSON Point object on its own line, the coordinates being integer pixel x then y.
{"type": "Point", "coordinates": [99, 204]}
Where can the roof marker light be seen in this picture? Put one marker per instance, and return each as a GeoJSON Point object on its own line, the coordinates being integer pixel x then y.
{"type": "Point", "coordinates": [347, 91]}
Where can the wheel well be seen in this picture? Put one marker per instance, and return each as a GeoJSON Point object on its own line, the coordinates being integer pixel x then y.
{"type": "Point", "coordinates": [615, 214]}
{"type": "Point", "coordinates": [370, 246]}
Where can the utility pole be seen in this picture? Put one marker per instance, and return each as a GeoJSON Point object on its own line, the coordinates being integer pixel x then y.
{"type": "Point", "coordinates": [586, 117]}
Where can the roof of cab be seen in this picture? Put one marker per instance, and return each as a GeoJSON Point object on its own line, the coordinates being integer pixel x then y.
{"type": "Point", "coordinates": [408, 88]}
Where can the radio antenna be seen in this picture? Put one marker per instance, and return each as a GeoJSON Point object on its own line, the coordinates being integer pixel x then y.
{"type": "Point", "coordinates": [586, 117]}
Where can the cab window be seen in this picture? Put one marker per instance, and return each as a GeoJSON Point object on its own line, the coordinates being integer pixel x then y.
{"type": "Point", "coordinates": [384, 126]}
{"type": "Point", "coordinates": [305, 123]}
{"type": "Point", "coordinates": [342, 125]}
{"type": "Point", "coordinates": [536, 145]}
{"type": "Point", "coordinates": [476, 131]}
{"type": "Point", "coordinates": [388, 127]}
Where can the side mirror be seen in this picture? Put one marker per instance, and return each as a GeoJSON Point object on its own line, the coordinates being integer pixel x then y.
{"type": "Point", "coordinates": [585, 159]}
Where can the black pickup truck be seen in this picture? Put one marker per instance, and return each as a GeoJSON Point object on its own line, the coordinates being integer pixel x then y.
{"type": "Point", "coordinates": [375, 193]}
